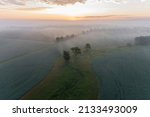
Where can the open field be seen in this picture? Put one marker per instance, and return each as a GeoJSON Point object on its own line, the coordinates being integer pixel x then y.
{"type": "Point", "coordinates": [23, 62]}
{"type": "Point", "coordinates": [124, 73]}
{"type": "Point", "coordinates": [74, 80]}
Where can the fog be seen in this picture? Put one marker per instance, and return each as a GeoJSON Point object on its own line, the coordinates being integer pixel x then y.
{"type": "Point", "coordinates": [28, 49]}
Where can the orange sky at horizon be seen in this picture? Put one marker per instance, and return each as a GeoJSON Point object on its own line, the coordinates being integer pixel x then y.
{"type": "Point", "coordinates": [78, 11]}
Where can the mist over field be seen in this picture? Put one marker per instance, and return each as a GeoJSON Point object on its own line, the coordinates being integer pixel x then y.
{"type": "Point", "coordinates": [28, 49]}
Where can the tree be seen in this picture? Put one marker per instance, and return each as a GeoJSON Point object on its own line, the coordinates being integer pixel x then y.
{"type": "Point", "coordinates": [87, 47]}
{"type": "Point", "coordinates": [76, 51]}
{"type": "Point", "coordinates": [72, 36]}
{"type": "Point", "coordinates": [66, 56]}
{"type": "Point", "coordinates": [57, 39]}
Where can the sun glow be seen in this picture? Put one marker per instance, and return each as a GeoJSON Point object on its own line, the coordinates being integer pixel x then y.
{"type": "Point", "coordinates": [76, 10]}
{"type": "Point", "coordinates": [91, 9]}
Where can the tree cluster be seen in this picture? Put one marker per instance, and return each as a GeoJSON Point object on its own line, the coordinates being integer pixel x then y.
{"type": "Point", "coordinates": [76, 51]}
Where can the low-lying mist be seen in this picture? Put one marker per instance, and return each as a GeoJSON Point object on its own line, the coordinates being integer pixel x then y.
{"type": "Point", "coordinates": [19, 35]}
{"type": "Point", "coordinates": [28, 49]}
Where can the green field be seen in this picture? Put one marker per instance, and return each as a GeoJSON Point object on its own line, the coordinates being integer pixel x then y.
{"type": "Point", "coordinates": [67, 81]}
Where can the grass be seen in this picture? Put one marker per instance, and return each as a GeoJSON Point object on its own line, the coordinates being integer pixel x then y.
{"type": "Point", "coordinates": [72, 81]}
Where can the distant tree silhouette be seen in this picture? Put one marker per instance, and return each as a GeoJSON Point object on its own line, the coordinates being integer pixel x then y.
{"type": "Point", "coordinates": [76, 51]}
{"type": "Point", "coordinates": [72, 36]}
{"type": "Point", "coordinates": [58, 39]}
{"type": "Point", "coordinates": [87, 46]}
{"type": "Point", "coordinates": [66, 56]}
{"type": "Point", "coordinates": [67, 36]}
{"type": "Point", "coordinates": [142, 40]}
{"type": "Point", "coordinates": [128, 44]}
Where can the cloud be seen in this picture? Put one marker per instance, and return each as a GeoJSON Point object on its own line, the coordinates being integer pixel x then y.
{"type": "Point", "coordinates": [33, 9]}
{"type": "Point", "coordinates": [24, 2]}
{"type": "Point", "coordinates": [8, 2]}
{"type": "Point", "coordinates": [57, 2]}
{"type": "Point", "coordinates": [114, 1]}
{"type": "Point", "coordinates": [103, 17]}
{"type": "Point", "coordinates": [41, 3]}
{"type": "Point", "coordinates": [64, 2]}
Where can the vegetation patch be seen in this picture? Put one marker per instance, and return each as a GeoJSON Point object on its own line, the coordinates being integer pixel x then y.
{"type": "Point", "coordinates": [71, 78]}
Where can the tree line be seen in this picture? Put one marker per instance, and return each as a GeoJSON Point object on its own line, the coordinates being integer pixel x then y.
{"type": "Point", "coordinates": [67, 37]}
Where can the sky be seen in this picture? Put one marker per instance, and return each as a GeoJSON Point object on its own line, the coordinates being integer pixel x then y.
{"type": "Point", "coordinates": [74, 9]}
